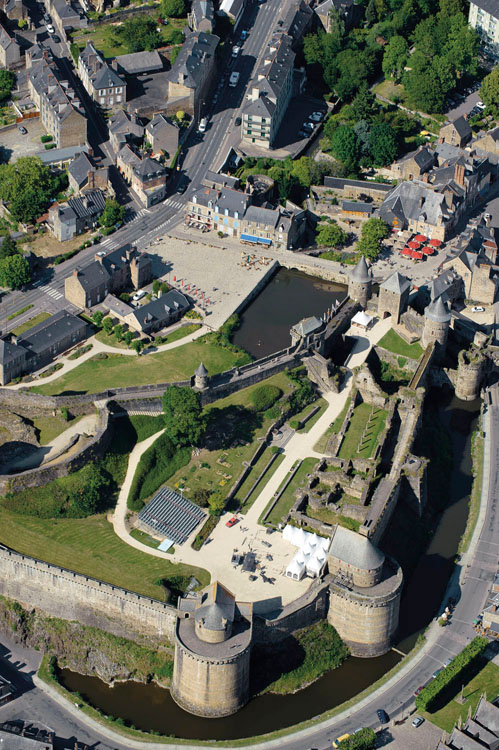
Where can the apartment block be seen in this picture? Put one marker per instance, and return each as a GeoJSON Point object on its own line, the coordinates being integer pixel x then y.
{"type": "Point", "coordinates": [101, 81]}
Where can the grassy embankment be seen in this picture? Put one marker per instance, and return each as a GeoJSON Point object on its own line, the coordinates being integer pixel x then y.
{"type": "Point", "coordinates": [394, 343]}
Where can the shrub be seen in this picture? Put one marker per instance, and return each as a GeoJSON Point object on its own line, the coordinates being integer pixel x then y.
{"type": "Point", "coordinates": [46, 138]}
{"type": "Point", "coordinates": [65, 414]}
{"type": "Point", "coordinates": [48, 146]}
{"type": "Point", "coordinates": [156, 466]}
{"type": "Point", "coordinates": [453, 674]}
{"type": "Point", "coordinates": [265, 397]}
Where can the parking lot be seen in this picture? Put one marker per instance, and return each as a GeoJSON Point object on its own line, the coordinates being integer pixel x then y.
{"type": "Point", "coordinates": [18, 145]}
{"type": "Point", "coordinates": [463, 104]}
{"type": "Point", "coordinates": [405, 736]}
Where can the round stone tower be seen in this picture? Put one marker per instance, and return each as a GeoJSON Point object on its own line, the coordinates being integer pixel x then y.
{"type": "Point", "coordinates": [359, 283]}
{"type": "Point", "coordinates": [201, 377]}
{"type": "Point", "coordinates": [470, 370]}
{"type": "Point", "coordinates": [212, 654]}
{"type": "Point", "coordinates": [436, 324]}
{"type": "Point", "coordinates": [364, 594]}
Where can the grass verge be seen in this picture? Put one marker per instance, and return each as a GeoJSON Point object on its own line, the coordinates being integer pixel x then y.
{"type": "Point", "coordinates": [366, 424]}
{"type": "Point", "coordinates": [251, 480]}
{"type": "Point", "coordinates": [19, 312]}
{"type": "Point", "coordinates": [30, 323]}
{"type": "Point", "coordinates": [321, 444]}
{"type": "Point", "coordinates": [478, 446]}
{"type": "Point", "coordinates": [50, 427]}
{"type": "Point", "coordinates": [392, 342]}
{"type": "Point", "coordinates": [287, 498]}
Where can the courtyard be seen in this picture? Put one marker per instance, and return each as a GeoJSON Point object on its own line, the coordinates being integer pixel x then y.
{"type": "Point", "coordinates": [16, 145]}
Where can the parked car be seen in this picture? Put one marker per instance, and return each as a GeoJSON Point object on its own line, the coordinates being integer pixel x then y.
{"type": "Point", "coordinates": [417, 721]}
{"type": "Point", "coordinates": [314, 117]}
{"type": "Point", "coordinates": [382, 716]}
{"type": "Point", "coordinates": [181, 188]}
{"type": "Point", "coordinates": [480, 105]}
{"type": "Point", "coordinates": [57, 39]}
{"type": "Point", "coordinates": [202, 125]}
{"type": "Point", "coordinates": [341, 739]}
{"type": "Point", "coordinates": [419, 690]}
{"type": "Point", "coordinates": [447, 662]}
{"type": "Point", "coordinates": [237, 121]}
{"type": "Point", "coordinates": [232, 522]}
{"type": "Point", "coordinates": [236, 51]}
{"type": "Point", "coordinates": [22, 130]}
{"type": "Point", "coordinates": [46, 18]}
{"type": "Point", "coordinates": [308, 126]}
{"type": "Point", "coordinates": [437, 672]}
{"type": "Point", "coordinates": [244, 34]}
{"type": "Point", "coordinates": [50, 28]}
{"type": "Point", "coordinates": [478, 308]}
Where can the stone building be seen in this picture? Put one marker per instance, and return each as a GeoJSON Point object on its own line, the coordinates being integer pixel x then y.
{"type": "Point", "coordinates": [85, 175]}
{"type": "Point", "coordinates": [190, 76]}
{"type": "Point", "coordinates": [163, 135]}
{"type": "Point", "coordinates": [488, 141]}
{"type": "Point", "coordinates": [149, 181]}
{"type": "Point", "coordinates": [10, 50]}
{"type": "Point", "coordinates": [65, 16]}
{"type": "Point", "coordinates": [359, 283]}
{"type": "Point", "coordinates": [470, 371]}
{"type": "Point", "coordinates": [61, 111]}
{"type": "Point", "coordinates": [212, 653]}
{"type": "Point", "coordinates": [201, 16]}
{"type": "Point", "coordinates": [484, 18]}
{"type": "Point", "coordinates": [327, 8]}
{"type": "Point", "coordinates": [365, 593]}
{"type": "Point", "coordinates": [437, 319]}
{"type": "Point", "coordinates": [413, 165]}
{"type": "Point", "coordinates": [78, 215]}
{"type": "Point", "coordinates": [124, 129]}
{"type": "Point", "coordinates": [101, 81]}
{"type": "Point", "coordinates": [394, 296]}
{"type": "Point", "coordinates": [479, 276]}
{"type": "Point", "coordinates": [269, 93]}
{"type": "Point", "coordinates": [297, 22]}
{"type": "Point", "coordinates": [12, 361]}
{"type": "Point", "coordinates": [280, 227]}
{"type": "Point", "coordinates": [15, 10]}
{"type": "Point", "coordinates": [126, 160]}
{"type": "Point", "coordinates": [152, 317]}
{"type": "Point", "coordinates": [218, 209]}
{"type": "Point", "coordinates": [457, 133]}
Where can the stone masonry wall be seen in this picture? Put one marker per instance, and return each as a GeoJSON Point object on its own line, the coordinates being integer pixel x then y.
{"type": "Point", "coordinates": [72, 596]}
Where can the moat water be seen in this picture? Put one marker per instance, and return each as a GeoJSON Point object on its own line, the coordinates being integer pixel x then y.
{"type": "Point", "coordinates": [287, 298]}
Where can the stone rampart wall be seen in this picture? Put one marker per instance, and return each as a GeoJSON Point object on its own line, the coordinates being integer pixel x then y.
{"type": "Point", "coordinates": [304, 611]}
{"type": "Point", "coordinates": [72, 596]}
{"type": "Point", "coordinates": [393, 359]}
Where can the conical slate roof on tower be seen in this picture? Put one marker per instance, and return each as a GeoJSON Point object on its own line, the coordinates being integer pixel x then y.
{"type": "Point", "coordinates": [438, 311]}
{"type": "Point", "coordinates": [201, 371]}
{"type": "Point", "coordinates": [361, 272]}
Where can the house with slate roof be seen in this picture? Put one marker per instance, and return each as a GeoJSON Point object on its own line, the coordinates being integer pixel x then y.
{"type": "Point", "coordinates": [126, 160]}
{"type": "Point", "coordinates": [394, 296]}
{"type": "Point", "coordinates": [191, 74]}
{"type": "Point", "coordinates": [269, 93]}
{"type": "Point", "coordinates": [101, 81]}
{"type": "Point", "coordinates": [233, 9]}
{"type": "Point", "coordinates": [163, 136]}
{"type": "Point", "coordinates": [152, 317]}
{"type": "Point", "coordinates": [65, 15]}
{"type": "Point", "coordinates": [78, 215]}
{"type": "Point", "coordinates": [297, 22]}
{"type": "Point", "coordinates": [124, 128]}
{"type": "Point", "coordinates": [221, 209]}
{"type": "Point", "coordinates": [120, 269]}
{"type": "Point", "coordinates": [84, 175]}
{"type": "Point", "coordinates": [138, 63]}
{"type": "Point", "coordinates": [280, 227]}
{"type": "Point", "coordinates": [479, 275]}
{"type": "Point", "coordinates": [149, 181]}
{"type": "Point", "coordinates": [10, 50]}
{"type": "Point", "coordinates": [39, 345]}
{"type": "Point", "coordinates": [413, 165]}
{"type": "Point", "coordinates": [15, 10]}
{"type": "Point", "coordinates": [201, 16]}
{"type": "Point", "coordinates": [325, 10]}
{"type": "Point", "coordinates": [457, 133]}
{"type": "Point", "coordinates": [488, 142]}
{"type": "Point", "coordinates": [61, 111]}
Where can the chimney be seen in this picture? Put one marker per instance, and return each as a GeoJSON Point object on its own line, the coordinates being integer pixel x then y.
{"type": "Point", "coordinates": [75, 273]}
{"type": "Point", "coordinates": [91, 178]}
{"type": "Point", "coordinates": [441, 139]}
{"type": "Point", "coordinates": [488, 219]}
{"type": "Point", "coordinates": [114, 64]}
{"type": "Point", "coordinates": [459, 174]}
{"type": "Point", "coordinates": [424, 177]}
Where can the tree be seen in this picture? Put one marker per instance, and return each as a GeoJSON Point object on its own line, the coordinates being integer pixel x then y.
{"type": "Point", "coordinates": [363, 739]}
{"type": "Point", "coordinates": [425, 90]}
{"type": "Point", "coordinates": [156, 285]}
{"type": "Point", "coordinates": [489, 90]}
{"type": "Point", "coordinates": [345, 146]}
{"type": "Point", "coordinates": [97, 318]}
{"type": "Point", "coordinates": [85, 500]}
{"type": "Point", "coordinates": [330, 235]}
{"type": "Point", "coordinates": [313, 49]}
{"type": "Point", "coordinates": [137, 345]}
{"type": "Point", "coordinates": [395, 57]}
{"type": "Point", "coordinates": [364, 104]}
{"type": "Point", "coordinates": [180, 115]}
{"type": "Point", "coordinates": [173, 8]}
{"type": "Point", "coordinates": [216, 502]}
{"type": "Point", "coordinates": [140, 33]}
{"type": "Point", "coordinates": [113, 213]}
{"type": "Point", "coordinates": [450, 7]}
{"type": "Point", "coordinates": [8, 247]}
{"type": "Point", "coordinates": [184, 423]}
{"type": "Point", "coordinates": [373, 231]}
{"type": "Point", "coordinates": [107, 325]}
{"type": "Point", "coordinates": [382, 144]}
{"type": "Point", "coordinates": [164, 288]}
{"type": "Point", "coordinates": [371, 13]}
{"type": "Point", "coordinates": [7, 80]}
{"type": "Point", "coordinates": [14, 272]}
{"type": "Point", "coordinates": [27, 185]}
{"type": "Point", "coordinates": [174, 54]}
{"type": "Point", "coordinates": [119, 332]}
{"type": "Point", "coordinates": [128, 338]}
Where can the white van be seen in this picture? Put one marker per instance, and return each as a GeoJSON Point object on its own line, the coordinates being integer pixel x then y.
{"type": "Point", "coordinates": [203, 125]}
{"type": "Point", "coordinates": [138, 295]}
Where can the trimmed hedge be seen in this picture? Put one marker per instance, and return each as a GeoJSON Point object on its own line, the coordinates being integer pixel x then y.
{"type": "Point", "coordinates": [364, 739]}
{"type": "Point", "coordinates": [265, 397]}
{"type": "Point", "coordinates": [156, 466]}
{"type": "Point", "coordinates": [428, 697]}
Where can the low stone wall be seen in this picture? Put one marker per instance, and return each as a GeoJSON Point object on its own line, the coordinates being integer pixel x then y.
{"type": "Point", "coordinates": [72, 596]}
{"type": "Point", "coordinates": [393, 359]}
{"type": "Point", "coordinates": [304, 611]}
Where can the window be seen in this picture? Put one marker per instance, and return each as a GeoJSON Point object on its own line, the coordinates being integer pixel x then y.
{"type": "Point", "coordinates": [118, 98]}
{"type": "Point", "coordinates": [118, 90]}
{"type": "Point", "coordinates": [101, 93]}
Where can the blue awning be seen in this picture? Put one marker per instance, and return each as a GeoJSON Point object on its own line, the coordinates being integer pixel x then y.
{"type": "Point", "coordinates": [253, 238]}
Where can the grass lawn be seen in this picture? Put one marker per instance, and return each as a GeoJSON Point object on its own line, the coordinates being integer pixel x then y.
{"type": "Point", "coordinates": [329, 516]}
{"type": "Point", "coordinates": [30, 323]}
{"type": "Point", "coordinates": [389, 89]}
{"type": "Point", "coordinates": [249, 482]}
{"type": "Point", "coordinates": [90, 546]}
{"type": "Point", "coordinates": [232, 439]}
{"type": "Point", "coordinates": [476, 492]}
{"type": "Point", "coordinates": [362, 415]}
{"type": "Point", "coordinates": [321, 444]}
{"type": "Point", "coordinates": [287, 498]}
{"type": "Point", "coordinates": [50, 427]}
{"type": "Point", "coordinates": [106, 40]}
{"type": "Point", "coordinates": [181, 333]}
{"type": "Point", "coordinates": [485, 681]}
{"type": "Point", "coordinates": [111, 340]}
{"type": "Point", "coordinates": [321, 402]}
{"type": "Point", "coordinates": [120, 370]}
{"type": "Point", "coordinates": [396, 344]}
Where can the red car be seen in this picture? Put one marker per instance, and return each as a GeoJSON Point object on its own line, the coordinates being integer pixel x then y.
{"type": "Point", "coordinates": [232, 522]}
{"type": "Point", "coordinates": [420, 688]}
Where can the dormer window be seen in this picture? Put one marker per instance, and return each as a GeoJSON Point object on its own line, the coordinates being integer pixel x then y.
{"type": "Point", "coordinates": [194, 199]}
{"type": "Point", "coordinates": [210, 204]}
{"type": "Point", "coordinates": [236, 214]}
{"type": "Point", "coordinates": [226, 211]}
{"type": "Point", "coordinates": [217, 209]}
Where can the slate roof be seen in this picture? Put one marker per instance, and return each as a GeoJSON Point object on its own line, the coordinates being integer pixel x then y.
{"type": "Point", "coordinates": [160, 309]}
{"type": "Point", "coordinates": [269, 217]}
{"type": "Point", "coordinates": [355, 550]}
{"type": "Point", "coordinates": [5, 39]}
{"type": "Point", "coordinates": [122, 257]}
{"type": "Point", "coordinates": [149, 168]}
{"type": "Point", "coordinates": [158, 124]}
{"type": "Point", "coordinates": [201, 371]}
{"type": "Point", "coordinates": [51, 331]}
{"type": "Point", "coordinates": [140, 62]}
{"type": "Point", "coordinates": [10, 352]}
{"type": "Point", "coordinates": [338, 183]}
{"type": "Point", "coordinates": [128, 156]}
{"type": "Point", "coordinates": [231, 7]}
{"type": "Point", "coordinates": [416, 201]}
{"type": "Point", "coordinates": [463, 127]}
{"type": "Point", "coordinates": [92, 276]}
{"type": "Point", "coordinates": [79, 169]}
{"type": "Point", "coordinates": [297, 20]}
{"type": "Point", "coordinates": [308, 325]}
{"type": "Point", "coordinates": [123, 123]}
{"type": "Point", "coordinates": [56, 155]}
{"type": "Point", "coordinates": [487, 714]}
{"type": "Point", "coordinates": [196, 51]}
{"type": "Point", "coordinates": [274, 69]}
{"type": "Point", "coordinates": [202, 10]}
{"type": "Point", "coordinates": [438, 311]}
{"type": "Point", "coordinates": [423, 156]}
{"type": "Point", "coordinates": [328, 5]}
{"type": "Point", "coordinates": [214, 605]}
{"type": "Point", "coordinates": [99, 71]}
{"type": "Point", "coordinates": [357, 206]}
{"type": "Point", "coordinates": [489, 6]}
{"type": "Point", "coordinates": [262, 107]}
{"type": "Point", "coordinates": [225, 198]}
{"type": "Point", "coordinates": [88, 205]}
{"type": "Point", "coordinates": [215, 179]}
{"type": "Point", "coordinates": [52, 86]}
{"type": "Point", "coordinates": [396, 283]}
{"type": "Point", "coordinates": [361, 272]}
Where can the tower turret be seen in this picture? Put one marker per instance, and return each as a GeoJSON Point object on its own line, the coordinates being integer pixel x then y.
{"type": "Point", "coordinates": [437, 319]}
{"type": "Point", "coordinates": [359, 283]}
{"type": "Point", "coordinates": [201, 377]}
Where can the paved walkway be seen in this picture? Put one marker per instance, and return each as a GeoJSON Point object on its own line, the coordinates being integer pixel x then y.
{"type": "Point", "coordinates": [97, 347]}
{"type": "Point", "coordinates": [249, 534]}
{"type": "Point", "coordinates": [58, 445]}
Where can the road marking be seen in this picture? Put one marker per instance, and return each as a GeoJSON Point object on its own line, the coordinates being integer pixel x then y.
{"type": "Point", "coordinates": [51, 292]}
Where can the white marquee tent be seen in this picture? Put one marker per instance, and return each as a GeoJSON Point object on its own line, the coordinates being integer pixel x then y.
{"type": "Point", "coordinates": [310, 558]}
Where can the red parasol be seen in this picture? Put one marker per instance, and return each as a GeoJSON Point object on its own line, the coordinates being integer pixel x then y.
{"type": "Point", "coordinates": [416, 255]}
{"type": "Point", "coordinates": [428, 250]}
{"type": "Point", "coordinates": [413, 245]}
{"type": "Point", "coordinates": [420, 238]}
{"type": "Point", "coordinates": [406, 251]}
{"type": "Point", "coordinates": [435, 243]}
